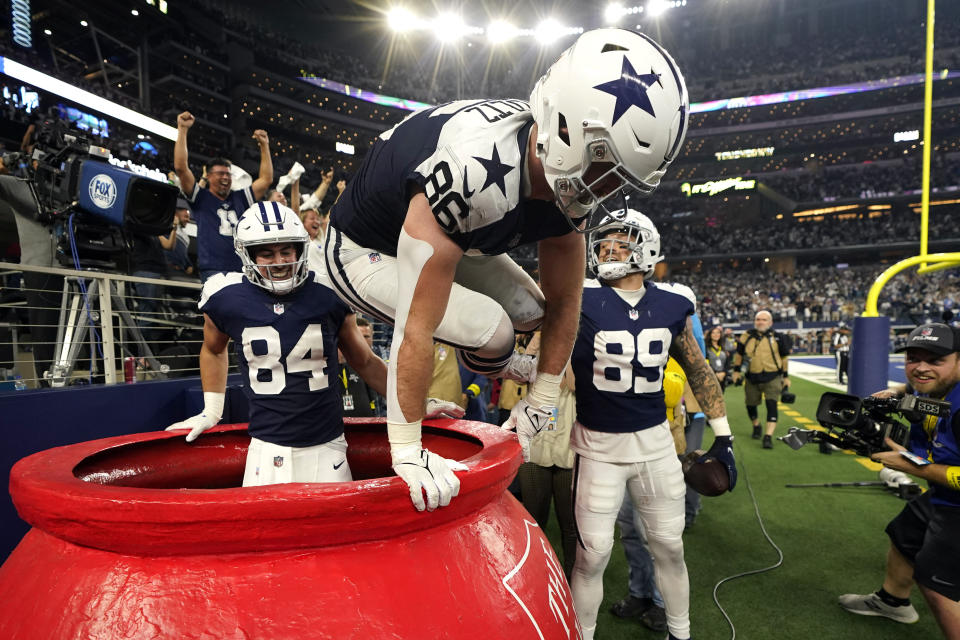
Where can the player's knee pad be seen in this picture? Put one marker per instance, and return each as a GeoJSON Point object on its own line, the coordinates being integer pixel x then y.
{"type": "Point", "coordinates": [594, 553]}
{"type": "Point", "coordinates": [752, 411]}
{"type": "Point", "coordinates": [771, 409]}
{"type": "Point", "coordinates": [666, 543]}
{"type": "Point", "coordinates": [530, 316]}
{"type": "Point", "coordinates": [495, 353]}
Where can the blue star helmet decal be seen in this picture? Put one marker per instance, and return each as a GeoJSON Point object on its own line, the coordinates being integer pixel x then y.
{"type": "Point", "coordinates": [630, 90]}
{"type": "Point", "coordinates": [496, 170]}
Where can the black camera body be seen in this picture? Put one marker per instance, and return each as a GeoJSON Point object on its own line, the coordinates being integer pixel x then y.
{"type": "Point", "coordinates": [862, 424]}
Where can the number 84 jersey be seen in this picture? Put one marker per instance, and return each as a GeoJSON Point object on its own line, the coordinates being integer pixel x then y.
{"type": "Point", "coordinates": [620, 354]}
{"type": "Point", "coordinates": [287, 349]}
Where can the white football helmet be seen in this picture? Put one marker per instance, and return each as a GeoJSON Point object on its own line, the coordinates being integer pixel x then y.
{"type": "Point", "coordinates": [615, 97]}
{"type": "Point", "coordinates": [641, 238]}
{"type": "Point", "coordinates": [272, 223]}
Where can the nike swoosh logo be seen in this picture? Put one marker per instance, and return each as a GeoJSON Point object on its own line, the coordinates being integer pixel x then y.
{"type": "Point", "coordinates": [466, 188]}
{"type": "Point", "coordinates": [337, 466]}
{"type": "Point", "coordinates": [943, 582]}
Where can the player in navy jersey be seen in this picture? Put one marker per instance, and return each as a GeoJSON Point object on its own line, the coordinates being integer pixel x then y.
{"type": "Point", "coordinates": [628, 329]}
{"type": "Point", "coordinates": [419, 236]}
{"type": "Point", "coordinates": [286, 327]}
{"type": "Point", "coordinates": [216, 208]}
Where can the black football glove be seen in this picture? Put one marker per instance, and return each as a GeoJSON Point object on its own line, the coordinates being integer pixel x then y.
{"type": "Point", "coordinates": [722, 451]}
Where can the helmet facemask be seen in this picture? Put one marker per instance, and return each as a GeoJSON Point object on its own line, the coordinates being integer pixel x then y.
{"type": "Point", "coordinates": [602, 180]}
{"type": "Point", "coordinates": [640, 238]}
{"type": "Point", "coordinates": [264, 274]}
{"type": "Point", "coordinates": [272, 224]}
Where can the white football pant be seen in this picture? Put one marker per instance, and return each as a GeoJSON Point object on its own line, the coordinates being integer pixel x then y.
{"type": "Point", "coordinates": [274, 464]}
{"type": "Point", "coordinates": [490, 298]}
{"type": "Point", "coordinates": [657, 490]}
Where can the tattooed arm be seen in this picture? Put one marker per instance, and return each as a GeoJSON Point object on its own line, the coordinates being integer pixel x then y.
{"type": "Point", "coordinates": [703, 381]}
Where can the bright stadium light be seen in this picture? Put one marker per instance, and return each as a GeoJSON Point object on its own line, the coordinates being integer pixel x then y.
{"type": "Point", "coordinates": [448, 27]}
{"type": "Point", "coordinates": [613, 13]}
{"type": "Point", "coordinates": [401, 20]}
{"type": "Point", "coordinates": [548, 31]}
{"type": "Point", "coordinates": [657, 7]}
{"type": "Point", "coordinates": [500, 31]}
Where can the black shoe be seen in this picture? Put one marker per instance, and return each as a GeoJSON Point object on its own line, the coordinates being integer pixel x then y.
{"type": "Point", "coordinates": [767, 442]}
{"type": "Point", "coordinates": [756, 432]}
{"type": "Point", "coordinates": [631, 607]}
{"type": "Point", "coordinates": [655, 618]}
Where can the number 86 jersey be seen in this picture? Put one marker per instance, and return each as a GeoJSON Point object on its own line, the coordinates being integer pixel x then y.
{"type": "Point", "coordinates": [287, 349]}
{"type": "Point", "coordinates": [620, 354]}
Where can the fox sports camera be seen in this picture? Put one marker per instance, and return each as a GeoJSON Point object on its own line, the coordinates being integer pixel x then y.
{"type": "Point", "coordinates": [113, 195]}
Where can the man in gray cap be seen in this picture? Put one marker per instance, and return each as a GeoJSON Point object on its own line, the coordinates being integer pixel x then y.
{"type": "Point", "coordinates": [925, 536]}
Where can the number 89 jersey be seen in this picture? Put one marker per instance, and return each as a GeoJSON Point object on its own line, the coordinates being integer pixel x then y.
{"type": "Point", "coordinates": [620, 354]}
{"type": "Point", "coordinates": [287, 349]}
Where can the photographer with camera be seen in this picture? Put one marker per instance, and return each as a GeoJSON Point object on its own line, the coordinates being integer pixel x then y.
{"type": "Point", "coordinates": [766, 352]}
{"type": "Point", "coordinates": [217, 208]}
{"type": "Point", "coordinates": [925, 536]}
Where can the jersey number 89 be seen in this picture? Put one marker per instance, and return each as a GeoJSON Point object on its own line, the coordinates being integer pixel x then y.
{"type": "Point", "coordinates": [311, 342]}
{"type": "Point", "coordinates": [615, 352]}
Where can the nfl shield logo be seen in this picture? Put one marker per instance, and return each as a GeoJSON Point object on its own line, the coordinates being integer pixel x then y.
{"type": "Point", "coordinates": [634, 314]}
{"type": "Point", "coordinates": [278, 461]}
{"type": "Point", "coordinates": [374, 257]}
{"type": "Point", "coordinates": [278, 308]}
{"type": "Point", "coordinates": [926, 331]}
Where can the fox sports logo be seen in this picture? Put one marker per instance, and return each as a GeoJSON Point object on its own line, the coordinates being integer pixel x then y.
{"type": "Point", "coordinates": [102, 191]}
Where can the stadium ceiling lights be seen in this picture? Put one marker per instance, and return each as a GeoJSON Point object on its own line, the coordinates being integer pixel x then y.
{"type": "Point", "coordinates": [401, 20]}
{"type": "Point", "coordinates": [449, 27]}
{"type": "Point", "coordinates": [615, 11]}
{"type": "Point", "coordinates": [501, 31]}
{"type": "Point", "coordinates": [658, 7]}
{"type": "Point", "coordinates": [550, 31]}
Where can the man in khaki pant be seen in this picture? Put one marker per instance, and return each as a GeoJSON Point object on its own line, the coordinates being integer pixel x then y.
{"type": "Point", "coordinates": [766, 352]}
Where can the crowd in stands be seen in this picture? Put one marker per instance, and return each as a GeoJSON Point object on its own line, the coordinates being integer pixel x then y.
{"type": "Point", "coordinates": [732, 295]}
{"type": "Point", "coordinates": [683, 239]}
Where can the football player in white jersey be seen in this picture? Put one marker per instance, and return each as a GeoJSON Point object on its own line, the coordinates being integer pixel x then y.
{"type": "Point", "coordinates": [419, 235]}
{"type": "Point", "coordinates": [628, 329]}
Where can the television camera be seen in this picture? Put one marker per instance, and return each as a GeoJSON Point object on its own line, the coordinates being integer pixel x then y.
{"type": "Point", "coordinates": [89, 203]}
{"type": "Point", "coordinates": [862, 424]}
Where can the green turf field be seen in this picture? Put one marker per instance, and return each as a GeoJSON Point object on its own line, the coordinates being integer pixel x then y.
{"type": "Point", "coordinates": [832, 541]}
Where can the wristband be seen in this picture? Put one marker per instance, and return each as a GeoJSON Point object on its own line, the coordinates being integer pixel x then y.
{"type": "Point", "coordinates": [213, 403]}
{"type": "Point", "coordinates": [545, 390]}
{"type": "Point", "coordinates": [404, 437]}
{"type": "Point", "coordinates": [953, 477]}
{"type": "Point", "coordinates": [721, 427]}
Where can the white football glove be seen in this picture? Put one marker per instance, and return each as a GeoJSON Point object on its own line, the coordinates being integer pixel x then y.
{"type": "Point", "coordinates": [437, 408]}
{"type": "Point", "coordinates": [423, 470]}
{"type": "Point", "coordinates": [209, 417]}
{"type": "Point", "coordinates": [528, 421]}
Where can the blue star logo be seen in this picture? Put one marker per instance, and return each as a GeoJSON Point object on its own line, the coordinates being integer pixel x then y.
{"type": "Point", "coordinates": [630, 90]}
{"type": "Point", "coordinates": [496, 171]}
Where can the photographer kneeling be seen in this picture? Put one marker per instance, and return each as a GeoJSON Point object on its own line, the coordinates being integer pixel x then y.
{"type": "Point", "coordinates": [925, 536]}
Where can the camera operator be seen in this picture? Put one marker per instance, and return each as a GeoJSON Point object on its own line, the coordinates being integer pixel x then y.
{"type": "Point", "coordinates": [766, 351]}
{"type": "Point", "coordinates": [925, 536]}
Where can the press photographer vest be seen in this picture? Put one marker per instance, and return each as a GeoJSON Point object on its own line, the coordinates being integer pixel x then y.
{"type": "Point", "coordinates": [766, 353]}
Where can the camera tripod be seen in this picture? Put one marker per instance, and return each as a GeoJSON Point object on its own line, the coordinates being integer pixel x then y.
{"type": "Point", "coordinates": [76, 320]}
{"type": "Point", "coordinates": [903, 489]}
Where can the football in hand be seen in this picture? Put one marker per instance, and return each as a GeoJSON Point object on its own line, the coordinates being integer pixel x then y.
{"type": "Point", "coordinates": [708, 478]}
